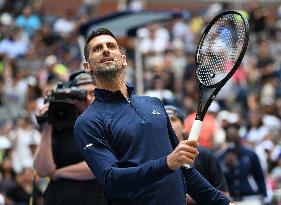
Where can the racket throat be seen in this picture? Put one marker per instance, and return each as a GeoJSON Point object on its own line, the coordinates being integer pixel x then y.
{"type": "Point", "coordinates": [199, 117]}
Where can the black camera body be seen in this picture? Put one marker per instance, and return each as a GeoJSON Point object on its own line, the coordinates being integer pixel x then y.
{"type": "Point", "coordinates": [62, 111]}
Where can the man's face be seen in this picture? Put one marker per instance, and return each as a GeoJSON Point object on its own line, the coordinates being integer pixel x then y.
{"type": "Point", "coordinates": [232, 134]}
{"type": "Point", "coordinates": [90, 91]}
{"type": "Point", "coordinates": [105, 59]}
{"type": "Point", "coordinates": [177, 126]}
{"type": "Point", "coordinates": [82, 105]}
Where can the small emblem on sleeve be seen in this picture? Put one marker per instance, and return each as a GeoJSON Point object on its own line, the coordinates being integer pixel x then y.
{"type": "Point", "coordinates": [88, 145]}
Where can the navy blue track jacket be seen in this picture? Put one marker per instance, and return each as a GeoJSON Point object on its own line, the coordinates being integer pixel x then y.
{"type": "Point", "coordinates": [126, 143]}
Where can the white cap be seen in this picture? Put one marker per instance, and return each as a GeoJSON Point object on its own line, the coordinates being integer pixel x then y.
{"type": "Point", "coordinates": [272, 122]}
{"type": "Point", "coordinates": [6, 19]}
{"type": "Point", "coordinates": [31, 80]}
{"type": "Point", "coordinates": [5, 143]}
{"type": "Point", "coordinates": [230, 117]}
{"type": "Point", "coordinates": [51, 60]}
{"type": "Point", "coordinates": [213, 10]}
{"type": "Point", "coordinates": [267, 145]}
{"type": "Point", "coordinates": [233, 118]}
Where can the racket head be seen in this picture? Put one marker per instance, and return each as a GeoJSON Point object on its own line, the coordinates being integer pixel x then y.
{"type": "Point", "coordinates": [221, 48]}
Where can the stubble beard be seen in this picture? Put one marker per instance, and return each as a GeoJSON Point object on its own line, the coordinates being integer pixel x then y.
{"type": "Point", "coordinates": [107, 74]}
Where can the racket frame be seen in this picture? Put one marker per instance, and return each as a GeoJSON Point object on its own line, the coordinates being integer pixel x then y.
{"type": "Point", "coordinates": [202, 112]}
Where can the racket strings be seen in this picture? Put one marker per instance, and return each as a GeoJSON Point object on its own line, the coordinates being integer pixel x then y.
{"type": "Point", "coordinates": [220, 48]}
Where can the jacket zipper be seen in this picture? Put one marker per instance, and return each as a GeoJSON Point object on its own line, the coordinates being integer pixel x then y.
{"type": "Point", "coordinates": [138, 114]}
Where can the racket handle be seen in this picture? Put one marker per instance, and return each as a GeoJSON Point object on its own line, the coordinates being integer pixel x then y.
{"type": "Point", "coordinates": [195, 130]}
{"type": "Point", "coordinates": [194, 133]}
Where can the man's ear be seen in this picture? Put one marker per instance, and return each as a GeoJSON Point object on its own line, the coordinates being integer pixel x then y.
{"type": "Point", "coordinates": [124, 60]}
{"type": "Point", "coordinates": [87, 68]}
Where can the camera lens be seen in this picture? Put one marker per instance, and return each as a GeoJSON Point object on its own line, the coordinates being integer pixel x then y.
{"type": "Point", "coordinates": [61, 114]}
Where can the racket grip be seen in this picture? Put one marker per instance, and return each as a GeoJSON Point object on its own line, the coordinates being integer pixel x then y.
{"type": "Point", "coordinates": [194, 133]}
{"type": "Point", "coordinates": [195, 130]}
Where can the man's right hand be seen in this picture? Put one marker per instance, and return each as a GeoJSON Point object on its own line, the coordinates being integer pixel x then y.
{"type": "Point", "coordinates": [43, 110]}
{"type": "Point", "coordinates": [42, 114]}
{"type": "Point", "coordinates": [185, 153]}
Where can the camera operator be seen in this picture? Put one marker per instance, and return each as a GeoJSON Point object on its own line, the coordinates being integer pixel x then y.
{"type": "Point", "coordinates": [58, 156]}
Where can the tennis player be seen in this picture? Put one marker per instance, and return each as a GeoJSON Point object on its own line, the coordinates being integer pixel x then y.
{"type": "Point", "coordinates": [128, 142]}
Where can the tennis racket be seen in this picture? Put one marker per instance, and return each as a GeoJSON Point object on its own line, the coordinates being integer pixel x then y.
{"type": "Point", "coordinates": [220, 51]}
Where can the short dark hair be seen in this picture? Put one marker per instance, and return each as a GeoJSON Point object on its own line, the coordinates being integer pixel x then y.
{"type": "Point", "coordinates": [175, 111]}
{"type": "Point", "coordinates": [93, 34]}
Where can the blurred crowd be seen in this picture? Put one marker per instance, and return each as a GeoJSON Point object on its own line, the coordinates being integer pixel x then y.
{"type": "Point", "coordinates": [37, 51]}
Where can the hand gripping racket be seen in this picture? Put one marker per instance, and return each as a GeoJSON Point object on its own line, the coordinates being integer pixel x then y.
{"type": "Point", "coordinates": [220, 51]}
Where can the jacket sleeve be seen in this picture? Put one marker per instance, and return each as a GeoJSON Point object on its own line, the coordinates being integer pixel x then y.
{"type": "Point", "coordinates": [117, 182]}
{"type": "Point", "coordinates": [258, 175]}
{"type": "Point", "coordinates": [201, 190]}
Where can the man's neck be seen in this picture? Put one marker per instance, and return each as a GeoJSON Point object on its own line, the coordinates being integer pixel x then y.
{"type": "Point", "coordinates": [119, 84]}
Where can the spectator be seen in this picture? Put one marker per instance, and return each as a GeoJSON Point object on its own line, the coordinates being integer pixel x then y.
{"type": "Point", "coordinates": [65, 25]}
{"type": "Point", "coordinates": [23, 138]}
{"type": "Point", "coordinates": [242, 169]}
{"type": "Point", "coordinates": [28, 21]}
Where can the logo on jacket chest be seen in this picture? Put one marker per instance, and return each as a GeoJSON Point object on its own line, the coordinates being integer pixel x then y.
{"type": "Point", "coordinates": [155, 112]}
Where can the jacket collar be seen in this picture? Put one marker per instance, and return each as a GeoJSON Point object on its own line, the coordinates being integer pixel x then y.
{"type": "Point", "coordinates": [107, 95]}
